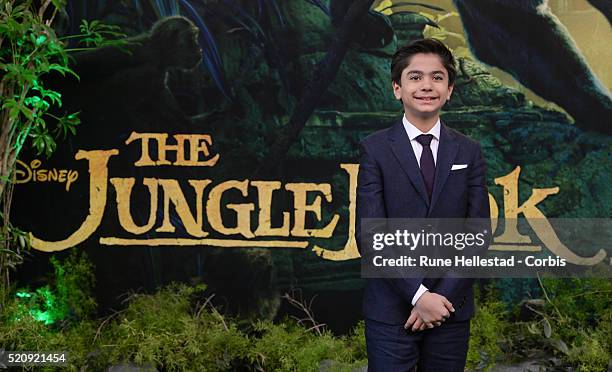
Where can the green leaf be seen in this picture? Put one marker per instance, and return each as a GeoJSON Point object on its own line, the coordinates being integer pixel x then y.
{"type": "Point", "coordinates": [59, 4]}
{"type": "Point", "coordinates": [27, 112]}
{"type": "Point", "coordinates": [32, 101]}
{"type": "Point", "coordinates": [63, 70]}
{"type": "Point", "coordinates": [59, 68]}
{"type": "Point", "coordinates": [547, 328]}
{"type": "Point", "coordinates": [532, 329]}
{"type": "Point", "coordinates": [96, 34]}
{"type": "Point", "coordinates": [10, 104]}
{"type": "Point", "coordinates": [50, 145]}
{"type": "Point", "coordinates": [13, 71]}
{"type": "Point", "coordinates": [43, 142]}
{"type": "Point", "coordinates": [560, 345]}
{"type": "Point", "coordinates": [22, 241]}
{"type": "Point", "coordinates": [38, 144]}
{"type": "Point", "coordinates": [53, 96]}
{"type": "Point", "coordinates": [40, 40]}
{"type": "Point", "coordinates": [67, 124]}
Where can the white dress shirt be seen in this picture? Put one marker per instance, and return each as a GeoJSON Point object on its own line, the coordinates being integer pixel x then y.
{"type": "Point", "coordinates": [413, 132]}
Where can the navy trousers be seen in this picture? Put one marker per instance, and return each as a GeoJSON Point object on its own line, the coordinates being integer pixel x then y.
{"type": "Point", "coordinates": [392, 348]}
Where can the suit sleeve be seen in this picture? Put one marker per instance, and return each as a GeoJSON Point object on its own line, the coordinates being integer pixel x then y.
{"type": "Point", "coordinates": [371, 204]}
{"type": "Point", "coordinates": [478, 215]}
{"type": "Point", "coordinates": [478, 194]}
{"type": "Point", "coordinates": [370, 196]}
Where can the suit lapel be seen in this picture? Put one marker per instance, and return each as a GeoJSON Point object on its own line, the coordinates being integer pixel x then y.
{"type": "Point", "coordinates": [402, 149]}
{"type": "Point", "coordinates": [447, 150]}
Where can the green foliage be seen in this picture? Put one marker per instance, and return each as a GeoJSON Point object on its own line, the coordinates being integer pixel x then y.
{"type": "Point", "coordinates": [172, 331]}
{"type": "Point", "coordinates": [582, 300]}
{"type": "Point", "coordinates": [590, 352]}
{"type": "Point", "coordinates": [53, 317]}
{"type": "Point", "coordinates": [579, 312]}
{"type": "Point", "coordinates": [69, 300]}
{"type": "Point", "coordinates": [487, 330]}
{"type": "Point", "coordinates": [164, 330]}
{"type": "Point", "coordinates": [177, 329]}
{"type": "Point", "coordinates": [287, 347]}
{"type": "Point", "coordinates": [570, 327]}
{"type": "Point", "coordinates": [30, 51]}
{"type": "Point", "coordinates": [356, 342]}
{"type": "Point", "coordinates": [20, 331]}
{"type": "Point", "coordinates": [95, 34]}
{"type": "Point", "coordinates": [17, 240]}
{"type": "Point", "coordinates": [41, 305]}
{"type": "Point", "coordinates": [74, 281]}
{"type": "Point", "coordinates": [572, 323]}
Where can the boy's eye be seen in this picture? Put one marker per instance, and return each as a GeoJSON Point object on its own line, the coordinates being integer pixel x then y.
{"type": "Point", "coordinates": [414, 77]}
{"type": "Point", "coordinates": [438, 77]}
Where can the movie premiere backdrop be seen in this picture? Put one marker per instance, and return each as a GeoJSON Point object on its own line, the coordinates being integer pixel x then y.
{"type": "Point", "coordinates": [221, 145]}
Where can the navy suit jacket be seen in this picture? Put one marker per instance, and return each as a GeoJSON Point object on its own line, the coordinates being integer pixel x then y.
{"type": "Point", "coordinates": [390, 185]}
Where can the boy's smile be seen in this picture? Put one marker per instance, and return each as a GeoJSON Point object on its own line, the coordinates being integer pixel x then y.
{"type": "Point", "coordinates": [424, 87]}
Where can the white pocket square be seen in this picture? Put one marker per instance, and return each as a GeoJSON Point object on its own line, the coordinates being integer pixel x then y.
{"type": "Point", "coordinates": [458, 166]}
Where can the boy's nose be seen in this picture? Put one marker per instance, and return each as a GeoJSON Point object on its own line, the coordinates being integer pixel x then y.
{"type": "Point", "coordinates": [426, 84]}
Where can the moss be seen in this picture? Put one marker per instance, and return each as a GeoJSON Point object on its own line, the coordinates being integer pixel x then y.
{"type": "Point", "coordinates": [590, 353]}
{"type": "Point", "coordinates": [177, 329]}
{"type": "Point", "coordinates": [574, 324]}
{"type": "Point", "coordinates": [487, 328]}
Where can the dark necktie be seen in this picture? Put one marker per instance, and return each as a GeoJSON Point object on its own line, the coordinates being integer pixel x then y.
{"type": "Point", "coordinates": [428, 167]}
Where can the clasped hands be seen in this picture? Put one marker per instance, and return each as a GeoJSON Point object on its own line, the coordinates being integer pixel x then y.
{"type": "Point", "coordinates": [430, 310]}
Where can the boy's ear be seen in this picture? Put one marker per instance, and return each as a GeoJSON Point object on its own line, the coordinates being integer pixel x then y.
{"type": "Point", "coordinates": [396, 90]}
{"type": "Point", "coordinates": [450, 91]}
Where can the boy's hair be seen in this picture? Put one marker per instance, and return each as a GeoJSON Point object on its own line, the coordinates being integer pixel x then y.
{"type": "Point", "coordinates": [402, 57]}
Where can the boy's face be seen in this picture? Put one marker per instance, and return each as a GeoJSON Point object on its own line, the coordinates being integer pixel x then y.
{"type": "Point", "coordinates": [424, 86]}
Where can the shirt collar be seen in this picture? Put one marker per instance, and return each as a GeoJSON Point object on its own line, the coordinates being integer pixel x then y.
{"type": "Point", "coordinates": [413, 131]}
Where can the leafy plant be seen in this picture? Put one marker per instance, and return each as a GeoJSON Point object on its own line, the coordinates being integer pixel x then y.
{"type": "Point", "coordinates": [572, 322]}
{"type": "Point", "coordinates": [166, 330]}
{"type": "Point", "coordinates": [96, 35]}
{"type": "Point", "coordinates": [30, 50]}
{"type": "Point", "coordinates": [177, 328]}
{"type": "Point", "coordinates": [578, 313]}
{"type": "Point", "coordinates": [487, 330]}
{"type": "Point", "coordinates": [68, 299]}
{"type": "Point", "coordinates": [55, 316]}
{"type": "Point", "coordinates": [74, 281]}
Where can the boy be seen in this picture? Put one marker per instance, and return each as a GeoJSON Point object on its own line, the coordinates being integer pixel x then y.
{"type": "Point", "coordinates": [419, 168]}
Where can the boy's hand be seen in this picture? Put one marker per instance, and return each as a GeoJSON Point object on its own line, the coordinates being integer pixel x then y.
{"type": "Point", "coordinates": [430, 310]}
{"type": "Point", "coordinates": [416, 322]}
